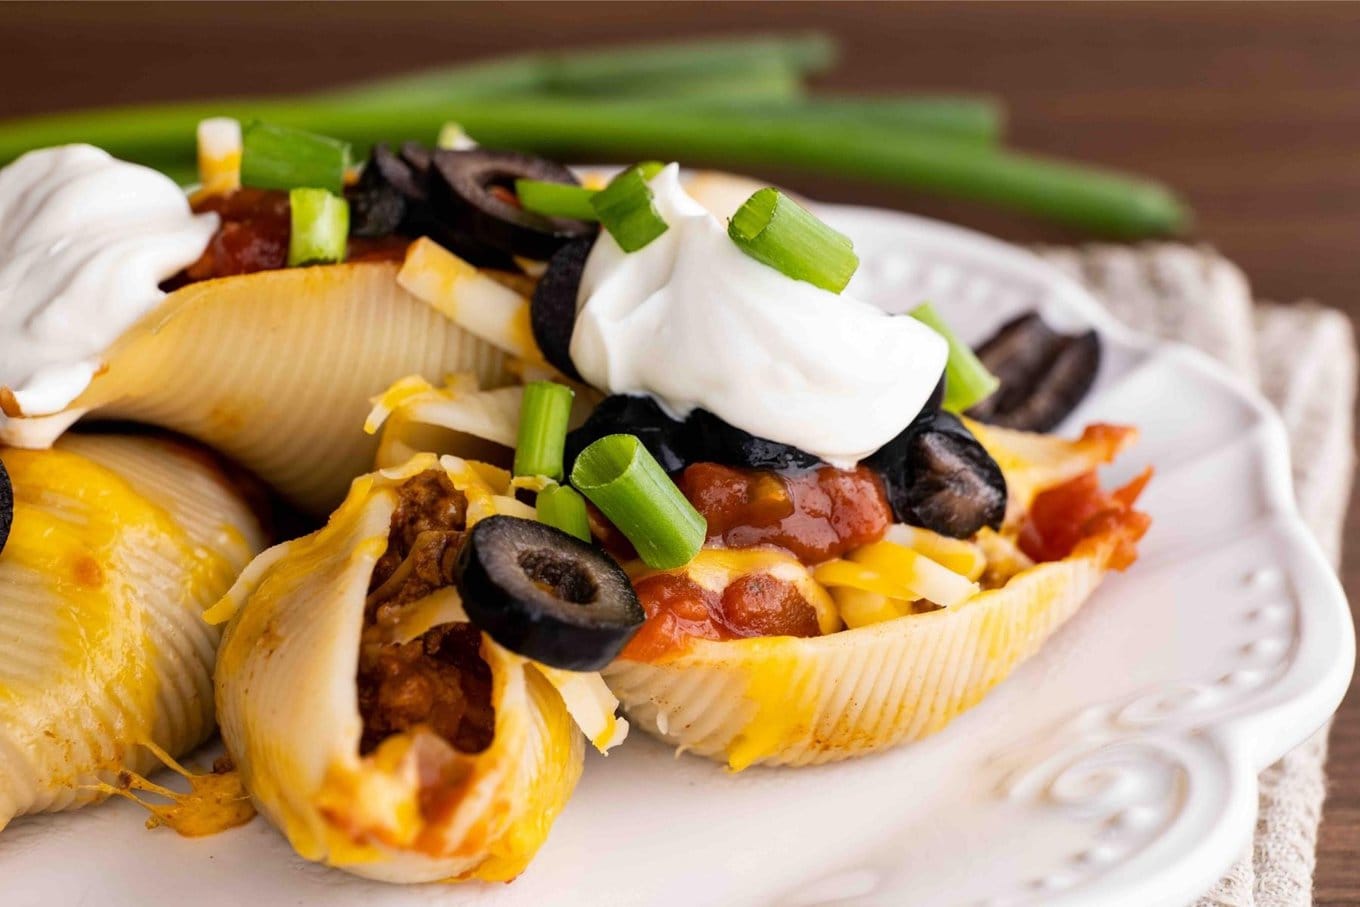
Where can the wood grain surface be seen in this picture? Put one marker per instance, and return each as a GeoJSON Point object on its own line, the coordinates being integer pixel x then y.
{"type": "Point", "coordinates": [1251, 111]}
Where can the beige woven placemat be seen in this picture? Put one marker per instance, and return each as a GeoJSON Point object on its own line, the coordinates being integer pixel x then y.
{"type": "Point", "coordinates": [1303, 358]}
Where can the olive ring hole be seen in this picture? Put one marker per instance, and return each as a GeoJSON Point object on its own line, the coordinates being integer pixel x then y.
{"type": "Point", "coordinates": [563, 577]}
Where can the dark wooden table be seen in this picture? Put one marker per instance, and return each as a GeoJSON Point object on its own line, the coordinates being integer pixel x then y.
{"type": "Point", "coordinates": [1252, 111]}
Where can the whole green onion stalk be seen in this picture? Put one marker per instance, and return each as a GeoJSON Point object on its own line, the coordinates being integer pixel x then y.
{"type": "Point", "coordinates": [681, 101]}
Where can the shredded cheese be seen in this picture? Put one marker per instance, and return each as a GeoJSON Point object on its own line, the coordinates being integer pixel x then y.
{"type": "Point", "coordinates": [469, 298]}
{"type": "Point", "coordinates": [219, 155]}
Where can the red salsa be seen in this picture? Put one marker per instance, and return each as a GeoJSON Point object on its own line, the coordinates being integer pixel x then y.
{"type": "Point", "coordinates": [679, 609]}
{"type": "Point", "coordinates": [1063, 517]}
{"type": "Point", "coordinates": [815, 515]}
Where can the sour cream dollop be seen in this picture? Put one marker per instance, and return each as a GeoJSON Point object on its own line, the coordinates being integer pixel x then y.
{"type": "Point", "coordinates": [695, 322]}
{"type": "Point", "coordinates": [85, 240]}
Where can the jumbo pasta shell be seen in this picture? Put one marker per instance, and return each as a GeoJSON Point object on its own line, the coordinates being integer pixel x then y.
{"type": "Point", "coordinates": [289, 713]}
{"type": "Point", "coordinates": [117, 547]}
{"type": "Point", "coordinates": [789, 701]}
{"type": "Point", "coordinates": [276, 369]}
{"type": "Point", "coordinates": [802, 701]}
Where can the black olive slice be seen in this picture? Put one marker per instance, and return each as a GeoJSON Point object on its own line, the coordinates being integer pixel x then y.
{"type": "Point", "coordinates": [6, 506]}
{"type": "Point", "coordinates": [469, 189]}
{"type": "Point", "coordinates": [417, 156]}
{"type": "Point", "coordinates": [716, 441]}
{"type": "Point", "coordinates": [552, 314]}
{"type": "Point", "coordinates": [377, 207]}
{"type": "Point", "coordinates": [889, 458]}
{"type": "Point", "coordinates": [393, 196]}
{"type": "Point", "coordinates": [546, 595]}
{"type": "Point", "coordinates": [664, 437]}
{"type": "Point", "coordinates": [399, 173]}
{"type": "Point", "coordinates": [939, 477]}
{"type": "Point", "coordinates": [1044, 374]}
{"type": "Point", "coordinates": [390, 196]}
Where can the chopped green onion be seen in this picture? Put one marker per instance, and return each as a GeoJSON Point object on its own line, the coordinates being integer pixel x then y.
{"type": "Point", "coordinates": [319, 227]}
{"type": "Point", "coordinates": [276, 157]}
{"type": "Point", "coordinates": [624, 480]}
{"type": "Point", "coordinates": [556, 199]}
{"type": "Point", "coordinates": [543, 417]}
{"type": "Point", "coordinates": [967, 381]}
{"type": "Point", "coordinates": [453, 138]}
{"type": "Point", "coordinates": [626, 210]}
{"type": "Point", "coordinates": [775, 230]}
{"type": "Point", "coordinates": [563, 508]}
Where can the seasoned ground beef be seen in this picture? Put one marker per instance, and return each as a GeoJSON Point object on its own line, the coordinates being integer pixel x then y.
{"type": "Point", "coordinates": [427, 502]}
{"type": "Point", "coordinates": [437, 680]}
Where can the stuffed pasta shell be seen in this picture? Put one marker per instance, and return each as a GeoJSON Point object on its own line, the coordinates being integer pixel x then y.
{"type": "Point", "coordinates": [744, 666]}
{"type": "Point", "coordinates": [117, 546]}
{"type": "Point", "coordinates": [228, 360]}
{"type": "Point", "coordinates": [373, 724]}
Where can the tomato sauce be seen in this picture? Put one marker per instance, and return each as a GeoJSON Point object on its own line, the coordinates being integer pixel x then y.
{"type": "Point", "coordinates": [1061, 518]}
{"type": "Point", "coordinates": [815, 515]}
{"type": "Point", "coordinates": [253, 236]}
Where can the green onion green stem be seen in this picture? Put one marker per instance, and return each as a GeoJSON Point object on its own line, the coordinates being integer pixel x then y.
{"type": "Point", "coordinates": [563, 508]}
{"type": "Point", "coordinates": [543, 417]}
{"type": "Point", "coordinates": [775, 230]}
{"type": "Point", "coordinates": [967, 381]}
{"type": "Point", "coordinates": [556, 199]}
{"type": "Point", "coordinates": [278, 157]}
{"type": "Point", "coordinates": [627, 210]}
{"type": "Point", "coordinates": [319, 227]}
{"type": "Point", "coordinates": [631, 489]}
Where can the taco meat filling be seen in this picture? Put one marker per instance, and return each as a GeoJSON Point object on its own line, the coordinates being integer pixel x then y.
{"type": "Point", "coordinates": [437, 680]}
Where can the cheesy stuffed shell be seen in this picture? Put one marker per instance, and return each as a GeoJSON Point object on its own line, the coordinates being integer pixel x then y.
{"type": "Point", "coordinates": [116, 547]}
{"type": "Point", "coordinates": [373, 723]}
{"type": "Point", "coordinates": [844, 526]}
{"type": "Point", "coordinates": [227, 313]}
{"type": "Point", "coordinates": [751, 655]}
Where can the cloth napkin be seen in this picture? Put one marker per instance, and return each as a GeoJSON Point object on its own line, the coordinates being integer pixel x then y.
{"type": "Point", "coordinates": [1303, 359]}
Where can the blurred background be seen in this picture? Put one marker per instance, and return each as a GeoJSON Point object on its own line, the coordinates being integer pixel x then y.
{"type": "Point", "coordinates": [1250, 112]}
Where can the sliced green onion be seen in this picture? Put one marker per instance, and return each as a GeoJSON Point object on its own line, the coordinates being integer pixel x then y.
{"type": "Point", "coordinates": [966, 380]}
{"type": "Point", "coordinates": [775, 230]}
{"type": "Point", "coordinates": [556, 199]}
{"type": "Point", "coordinates": [319, 227]}
{"type": "Point", "coordinates": [563, 508]}
{"type": "Point", "coordinates": [453, 138]}
{"type": "Point", "coordinates": [626, 210]}
{"type": "Point", "coordinates": [543, 417]}
{"type": "Point", "coordinates": [276, 157]}
{"type": "Point", "coordinates": [624, 480]}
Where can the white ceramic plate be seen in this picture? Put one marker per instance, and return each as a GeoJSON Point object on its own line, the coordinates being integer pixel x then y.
{"type": "Point", "coordinates": [1118, 767]}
